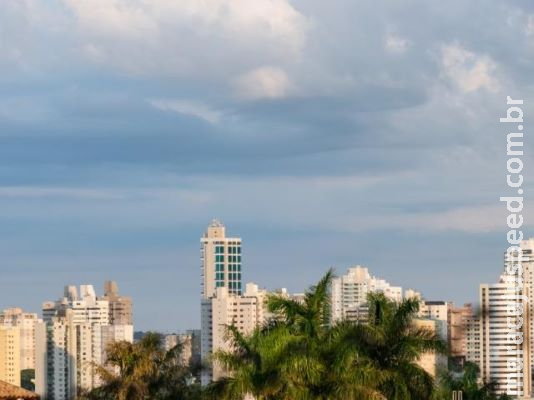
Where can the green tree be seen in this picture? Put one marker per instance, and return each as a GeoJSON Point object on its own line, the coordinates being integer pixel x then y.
{"type": "Point", "coordinates": [144, 371]}
{"type": "Point", "coordinates": [295, 356]}
{"type": "Point", "coordinates": [393, 344]}
{"type": "Point", "coordinates": [468, 382]}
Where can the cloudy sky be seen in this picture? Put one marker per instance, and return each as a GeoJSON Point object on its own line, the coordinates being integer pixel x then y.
{"type": "Point", "coordinates": [323, 133]}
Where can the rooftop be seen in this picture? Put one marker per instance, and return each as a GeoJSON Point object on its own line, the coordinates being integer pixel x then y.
{"type": "Point", "coordinates": [12, 392]}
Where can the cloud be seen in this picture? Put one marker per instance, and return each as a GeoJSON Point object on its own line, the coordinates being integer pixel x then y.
{"type": "Point", "coordinates": [188, 108]}
{"type": "Point", "coordinates": [263, 83]}
{"type": "Point", "coordinates": [163, 37]}
{"type": "Point", "coordinates": [396, 44]}
{"type": "Point", "coordinates": [467, 70]}
{"type": "Point", "coordinates": [286, 118]}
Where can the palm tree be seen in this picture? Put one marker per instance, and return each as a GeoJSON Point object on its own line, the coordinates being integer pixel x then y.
{"type": "Point", "coordinates": [295, 356]}
{"type": "Point", "coordinates": [142, 371]}
{"type": "Point", "coordinates": [392, 344]}
{"type": "Point", "coordinates": [254, 363]}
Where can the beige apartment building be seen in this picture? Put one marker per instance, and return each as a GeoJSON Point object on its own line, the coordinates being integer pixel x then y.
{"type": "Point", "coordinates": [464, 334]}
{"type": "Point", "coordinates": [120, 307]}
{"type": "Point", "coordinates": [26, 322]}
{"type": "Point", "coordinates": [431, 362]}
{"type": "Point", "coordinates": [10, 355]}
{"type": "Point", "coordinates": [245, 312]}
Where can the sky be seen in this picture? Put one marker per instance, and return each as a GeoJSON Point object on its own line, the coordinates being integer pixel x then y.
{"type": "Point", "coordinates": [325, 134]}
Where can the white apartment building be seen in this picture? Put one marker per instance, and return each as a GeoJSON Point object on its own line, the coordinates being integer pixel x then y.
{"type": "Point", "coordinates": [527, 246]}
{"type": "Point", "coordinates": [493, 328]}
{"type": "Point", "coordinates": [246, 312]}
{"type": "Point", "coordinates": [349, 293]}
{"type": "Point", "coordinates": [221, 261]}
{"type": "Point", "coordinates": [436, 311]}
{"type": "Point", "coordinates": [73, 339]}
{"type": "Point", "coordinates": [493, 338]}
{"type": "Point", "coordinates": [26, 323]}
{"type": "Point", "coordinates": [221, 289]}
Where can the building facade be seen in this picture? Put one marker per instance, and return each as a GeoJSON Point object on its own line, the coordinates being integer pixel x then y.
{"type": "Point", "coordinates": [120, 307]}
{"type": "Point", "coordinates": [220, 261]}
{"type": "Point", "coordinates": [72, 341]}
{"type": "Point", "coordinates": [431, 362]}
{"type": "Point", "coordinates": [493, 339]}
{"type": "Point", "coordinates": [10, 354]}
{"type": "Point", "coordinates": [26, 322]}
{"type": "Point", "coordinates": [245, 312]}
{"type": "Point", "coordinates": [349, 293]}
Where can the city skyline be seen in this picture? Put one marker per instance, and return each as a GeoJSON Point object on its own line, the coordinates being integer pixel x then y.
{"type": "Point", "coordinates": [174, 325]}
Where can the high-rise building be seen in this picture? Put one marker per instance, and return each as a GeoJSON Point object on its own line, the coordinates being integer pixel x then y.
{"type": "Point", "coordinates": [221, 261]}
{"type": "Point", "coordinates": [245, 312]}
{"type": "Point", "coordinates": [493, 327]}
{"type": "Point", "coordinates": [527, 262]}
{"type": "Point", "coordinates": [85, 307]}
{"type": "Point", "coordinates": [120, 307]}
{"type": "Point", "coordinates": [10, 354]}
{"type": "Point", "coordinates": [26, 322]}
{"type": "Point", "coordinates": [461, 322]}
{"type": "Point", "coordinates": [349, 293]}
{"type": "Point", "coordinates": [473, 347]}
{"type": "Point", "coordinates": [493, 339]}
{"type": "Point", "coordinates": [72, 341]}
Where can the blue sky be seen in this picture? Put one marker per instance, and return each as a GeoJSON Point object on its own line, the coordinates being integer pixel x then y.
{"type": "Point", "coordinates": [323, 133]}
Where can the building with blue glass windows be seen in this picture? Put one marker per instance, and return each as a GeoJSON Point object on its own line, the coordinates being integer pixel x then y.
{"type": "Point", "coordinates": [221, 261]}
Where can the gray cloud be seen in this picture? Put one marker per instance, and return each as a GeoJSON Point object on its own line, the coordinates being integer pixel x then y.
{"type": "Point", "coordinates": [367, 130]}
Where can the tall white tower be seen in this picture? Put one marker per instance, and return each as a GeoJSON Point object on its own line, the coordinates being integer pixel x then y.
{"type": "Point", "coordinates": [494, 343]}
{"type": "Point", "coordinates": [494, 323]}
{"type": "Point", "coordinates": [221, 261]}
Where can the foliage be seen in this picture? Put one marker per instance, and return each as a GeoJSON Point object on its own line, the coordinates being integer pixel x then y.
{"type": "Point", "coordinates": [298, 355]}
{"type": "Point", "coordinates": [144, 371]}
{"type": "Point", "coordinates": [469, 383]}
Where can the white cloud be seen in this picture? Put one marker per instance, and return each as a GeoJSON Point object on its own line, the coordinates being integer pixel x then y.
{"type": "Point", "coordinates": [188, 108]}
{"type": "Point", "coordinates": [396, 44]}
{"type": "Point", "coordinates": [187, 36]}
{"type": "Point", "coordinates": [467, 70]}
{"type": "Point", "coordinates": [263, 83]}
